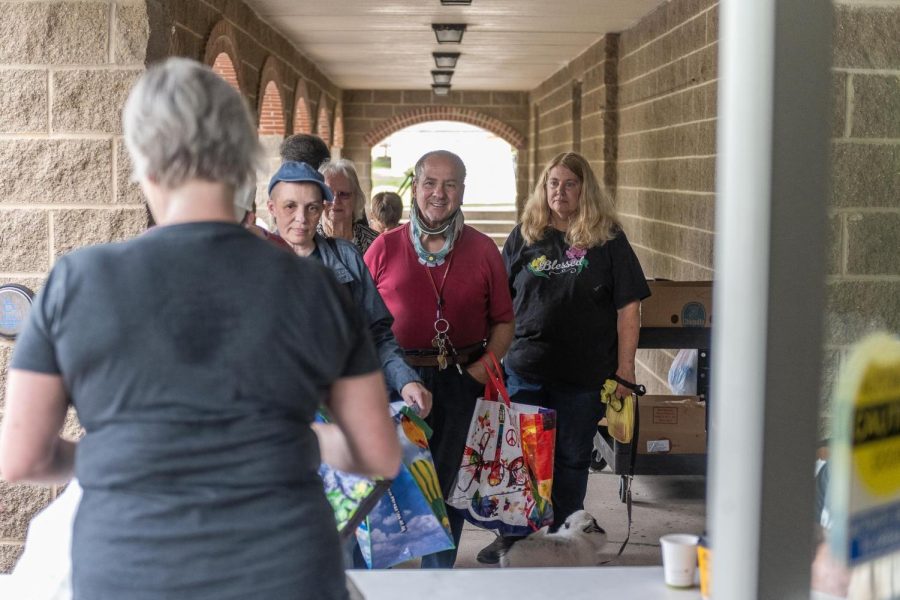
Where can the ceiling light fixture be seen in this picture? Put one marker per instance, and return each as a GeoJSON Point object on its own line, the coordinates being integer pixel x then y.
{"type": "Point", "coordinates": [441, 89]}
{"type": "Point", "coordinates": [456, 2]}
{"type": "Point", "coordinates": [442, 77]}
{"type": "Point", "coordinates": [445, 60]}
{"type": "Point", "coordinates": [449, 33]}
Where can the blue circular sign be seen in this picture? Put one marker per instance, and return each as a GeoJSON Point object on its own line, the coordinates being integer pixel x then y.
{"type": "Point", "coordinates": [15, 302]}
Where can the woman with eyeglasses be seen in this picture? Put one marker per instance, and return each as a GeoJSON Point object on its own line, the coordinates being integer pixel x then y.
{"type": "Point", "coordinates": [577, 287]}
{"type": "Point", "coordinates": [343, 216]}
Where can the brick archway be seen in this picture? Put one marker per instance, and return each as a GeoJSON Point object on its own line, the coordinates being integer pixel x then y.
{"type": "Point", "coordinates": [323, 122]}
{"type": "Point", "coordinates": [302, 114]}
{"type": "Point", "coordinates": [222, 55]}
{"type": "Point", "coordinates": [338, 130]}
{"type": "Point", "coordinates": [271, 112]}
{"type": "Point", "coordinates": [446, 113]}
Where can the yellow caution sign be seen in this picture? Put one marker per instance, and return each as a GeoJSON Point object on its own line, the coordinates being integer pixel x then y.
{"type": "Point", "coordinates": [864, 489]}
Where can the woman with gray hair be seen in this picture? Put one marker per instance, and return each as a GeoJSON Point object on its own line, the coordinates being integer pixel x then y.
{"type": "Point", "coordinates": [199, 460]}
{"type": "Point", "coordinates": [343, 216]}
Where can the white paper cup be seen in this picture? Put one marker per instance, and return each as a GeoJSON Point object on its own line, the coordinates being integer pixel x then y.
{"type": "Point", "coordinates": [679, 556]}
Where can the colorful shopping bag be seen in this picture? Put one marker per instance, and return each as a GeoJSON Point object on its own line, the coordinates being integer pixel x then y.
{"type": "Point", "coordinates": [506, 476]}
{"type": "Point", "coordinates": [410, 520]}
{"type": "Point", "coordinates": [351, 496]}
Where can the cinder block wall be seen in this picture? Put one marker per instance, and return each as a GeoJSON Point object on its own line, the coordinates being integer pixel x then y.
{"type": "Point", "coordinates": [65, 70]}
{"type": "Point", "coordinates": [576, 109]}
{"type": "Point", "coordinates": [641, 107]}
{"type": "Point", "coordinates": [372, 115]}
{"type": "Point", "coordinates": [663, 117]}
{"type": "Point", "coordinates": [667, 80]}
{"type": "Point", "coordinates": [863, 291]}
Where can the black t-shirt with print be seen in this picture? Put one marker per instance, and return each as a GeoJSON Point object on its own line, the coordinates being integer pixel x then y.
{"type": "Point", "coordinates": [565, 301]}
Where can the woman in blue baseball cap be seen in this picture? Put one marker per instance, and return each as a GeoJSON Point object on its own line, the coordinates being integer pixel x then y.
{"type": "Point", "coordinates": [297, 194]}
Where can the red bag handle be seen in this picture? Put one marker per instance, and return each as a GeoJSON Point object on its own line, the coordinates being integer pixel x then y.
{"type": "Point", "coordinates": [495, 379]}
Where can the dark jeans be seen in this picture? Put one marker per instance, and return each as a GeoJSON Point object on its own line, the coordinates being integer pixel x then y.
{"type": "Point", "coordinates": [577, 413]}
{"type": "Point", "coordinates": [454, 397]}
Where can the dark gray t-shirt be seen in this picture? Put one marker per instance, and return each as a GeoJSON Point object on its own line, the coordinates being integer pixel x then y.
{"type": "Point", "coordinates": [566, 301]}
{"type": "Point", "coordinates": [196, 356]}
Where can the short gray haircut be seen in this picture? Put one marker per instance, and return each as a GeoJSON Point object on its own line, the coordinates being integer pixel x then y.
{"type": "Point", "coordinates": [183, 122]}
{"type": "Point", "coordinates": [454, 158]}
{"type": "Point", "coordinates": [344, 167]}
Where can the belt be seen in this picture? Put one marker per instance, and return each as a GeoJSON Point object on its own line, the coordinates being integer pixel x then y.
{"type": "Point", "coordinates": [429, 357]}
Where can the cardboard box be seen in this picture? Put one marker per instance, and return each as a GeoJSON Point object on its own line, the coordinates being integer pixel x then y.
{"type": "Point", "coordinates": [678, 304]}
{"type": "Point", "coordinates": [672, 425]}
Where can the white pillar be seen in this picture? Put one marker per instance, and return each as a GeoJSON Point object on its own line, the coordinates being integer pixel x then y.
{"type": "Point", "coordinates": [773, 131]}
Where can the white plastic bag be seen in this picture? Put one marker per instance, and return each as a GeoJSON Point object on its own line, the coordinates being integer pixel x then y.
{"type": "Point", "coordinates": [683, 373]}
{"type": "Point", "coordinates": [44, 571]}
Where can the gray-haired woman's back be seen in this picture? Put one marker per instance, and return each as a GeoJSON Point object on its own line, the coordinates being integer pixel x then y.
{"type": "Point", "coordinates": [196, 356]}
{"type": "Point", "coordinates": [198, 466]}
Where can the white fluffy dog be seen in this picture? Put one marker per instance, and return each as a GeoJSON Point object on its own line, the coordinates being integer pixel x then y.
{"type": "Point", "coordinates": [577, 543]}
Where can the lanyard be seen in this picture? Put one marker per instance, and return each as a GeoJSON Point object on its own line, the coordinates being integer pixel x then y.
{"type": "Point", "coordinates": [441, 340]}
{"type": "Point", "coordinates": [439, 292]}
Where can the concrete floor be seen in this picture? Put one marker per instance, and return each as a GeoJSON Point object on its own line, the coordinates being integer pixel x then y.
{"type": "Point", "coordinates": [660, 504]}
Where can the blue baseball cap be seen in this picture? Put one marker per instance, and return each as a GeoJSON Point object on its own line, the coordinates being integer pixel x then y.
{"type": "Point", "coordinates": [298, 172]}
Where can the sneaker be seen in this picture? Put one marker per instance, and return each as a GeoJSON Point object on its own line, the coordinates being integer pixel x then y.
{"type": "Point", "coordinates": [490, 554]}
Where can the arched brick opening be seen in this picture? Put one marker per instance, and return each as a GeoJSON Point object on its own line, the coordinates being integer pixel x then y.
{"type": "Point", "coordinates": [362, 157]}
{"type": "Point", "coordinates": [323, 122]}
{"type": "Point", "coordinates": [224, 68]}
{"type": "Point", "coordinates": [271, 106]}
{"type": "Point", "coordinates": [338, 141]}
{"type": "Point", "coordinates": [446, 113]}
{"type": "Point", "coordinates": [221, 54]}
{"type": "Point", "coordinates": [302, 116]}
{"type": "Point", "coordinates": [271, 111]}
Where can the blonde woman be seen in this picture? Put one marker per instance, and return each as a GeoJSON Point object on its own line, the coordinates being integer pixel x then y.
{"type": "Point", "coordinates": [576, 286]}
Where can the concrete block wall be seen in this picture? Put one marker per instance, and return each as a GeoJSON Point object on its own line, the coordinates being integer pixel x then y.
{"type": "Point", "coordinates": [576, 109]}
{"type": "Point", "coordinates": [369, 116]}
{"type": "Point", "coordinates": [641, 107]}
{"type": "Point", "coordinates": [664, 123]}
{"type": "Point", "coordinates": [65, 70]}
{"type": "Point", "coordinates": [667, 85]}
{"type": "Point", "coordinates": [863, 292]}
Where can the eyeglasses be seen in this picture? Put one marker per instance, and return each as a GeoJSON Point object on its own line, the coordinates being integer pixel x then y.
{"type": "Point", "coordinates": [342, 196]}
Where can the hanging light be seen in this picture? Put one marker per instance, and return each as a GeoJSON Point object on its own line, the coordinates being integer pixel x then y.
{"type": "Point", "coordinates": [440, 89]}
{"type": "Point", "coordinates": [456, 2]}
{"type": "Point", "coordinates": [445, 60]}
{"type": "Point", "coordinates": [442, 77]}
{"type": "Point", "coordinates": [449, 33]}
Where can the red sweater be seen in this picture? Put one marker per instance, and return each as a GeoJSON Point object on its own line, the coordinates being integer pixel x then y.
{"type": "Point", "coordinates": [476, 293]}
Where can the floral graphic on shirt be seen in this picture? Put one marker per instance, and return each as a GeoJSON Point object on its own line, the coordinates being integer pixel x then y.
{"type": "Point", "coordinates": [575, 253]}
{"type": "Point", "coordinates": [544, 267]}
{"type": "Point", "coordinates": [536, 266]}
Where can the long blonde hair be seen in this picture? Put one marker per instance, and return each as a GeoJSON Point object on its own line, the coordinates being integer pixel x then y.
{"type": "Point", "coordinates": [596, 221]}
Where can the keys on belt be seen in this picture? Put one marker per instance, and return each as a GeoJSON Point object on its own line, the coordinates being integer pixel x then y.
{"type": "Point", "coordinates": [435, 358]}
